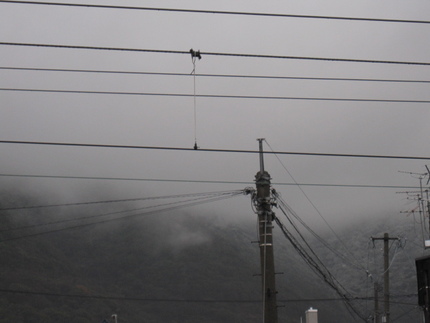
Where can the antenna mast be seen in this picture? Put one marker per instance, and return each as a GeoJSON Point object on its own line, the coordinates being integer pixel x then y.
{"type": "Point", "coordinates": [265, 214]}
{"type": "Point", "coordinates": [423, 211]}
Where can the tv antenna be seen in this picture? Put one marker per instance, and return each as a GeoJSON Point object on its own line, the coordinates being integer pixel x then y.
{"type": "Point", "coordinates": [424, 210]}
{"type": "Point", "coordinates": [428, 174]}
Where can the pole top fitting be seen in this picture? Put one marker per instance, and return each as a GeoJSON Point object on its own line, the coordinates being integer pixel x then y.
{"type": "Point", "coordinates": [260, 140]}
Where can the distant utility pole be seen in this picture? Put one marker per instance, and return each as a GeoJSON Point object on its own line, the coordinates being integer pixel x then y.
{"type": "Point", "coordinates": [377, 316]}
{"type": "Point", "coordinates": [263, 204]}
{"type": "Point", "coordinates": [386, 239]}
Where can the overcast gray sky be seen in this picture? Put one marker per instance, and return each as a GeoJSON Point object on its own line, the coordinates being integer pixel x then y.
{"type": "Point", "coordinates": [288, 125]}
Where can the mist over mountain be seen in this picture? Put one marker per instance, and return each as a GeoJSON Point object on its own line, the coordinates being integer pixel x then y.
{"type": "Point", "coordinates": [183, 266]}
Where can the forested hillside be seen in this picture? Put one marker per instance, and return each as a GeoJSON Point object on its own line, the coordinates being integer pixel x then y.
{"type": "Point", "coordinates": [183, 267]}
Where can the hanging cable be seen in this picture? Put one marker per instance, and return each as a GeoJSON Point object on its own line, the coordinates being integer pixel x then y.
{"type": "Point", "coordinates": [308, 254]}
{"type": "Point", "coordinates": [319, 269]}
{"type": "Point", "coordinates": [194, 56]}
{"type": "Point", "coordinates": [286, 210]}
{"type": "Point", "coordinates": [313, 205]}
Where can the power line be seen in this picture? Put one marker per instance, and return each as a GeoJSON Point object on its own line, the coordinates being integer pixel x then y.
{"type": "Point", "coordinates": [33, 226]}
{"type": "Point", "coordinates": [170, 300]}
{"type": "Point", "coordinates": [240, 13]}
{"type": "Point", "coordinates": [141, 50]}
{"type": "Point", "coordinates": [406, 312]}
{"type": "Point", "coordinates": [318, 267]}
{"type": "Point", "coordinates": [168, 207]}
{"type": "Point", "coordinates": [117, 298]}
{"type": "Point", "coordinates": [88, 145]}
{"type": "Point", "coordinates": [118, 200]}
{"type": "Point", "coordinates": [278, 197]}
{"type": "Point", "coordinates": [217, 96]}
{"type": "Point", "coordinates": [242, 55]}
{"type": "Point", "coordinates": [200, 199]}
{"type": "Point", "coordinates": [287, 211]}
{"type": "Point", "coordinates": [206, 181]}
{"type": "Point", "coordinates": [306, 78]}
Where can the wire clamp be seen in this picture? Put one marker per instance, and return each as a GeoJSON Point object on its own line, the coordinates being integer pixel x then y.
{"type": "Point", "coordinates": [195, 54]}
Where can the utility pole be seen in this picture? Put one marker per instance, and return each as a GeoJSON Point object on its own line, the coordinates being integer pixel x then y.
{"type": "Point", "coordinates": [265, 217]}
{"type": "Point", "coordinates": [426, 299]}
{"type": "Point", "coordinates": [377, 316]}
{"type": "Point", "coordinates": [423, 279]}
{"type": "Point", "coordinates": [386, 239]}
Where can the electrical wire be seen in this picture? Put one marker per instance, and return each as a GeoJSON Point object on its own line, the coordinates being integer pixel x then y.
{"type": "Point", "coordinates": [169, 300]}
{"type": "Point", "coordinates": [35, 69]}
{"type": "Point", "coordinates": [317, 259]}
{"type": "Point", "coordinates": [215, 96]}
{"type": "Point", "coordinates": [189, 203]}
{"type": "Point", "coordinates": [204, 181]}
{"type": "Point", "coordinates": [241, 55]}
{"type": "Point", "coordinates": [88, 145]}
{"type": "Point", "coordinates": [314, 207]}
{"type": "Point", "coordinates": [200, 11]}
{"type": "Point", "coordinates": [405, 313]}
{"type": "Point", "coordinates": [75, 219]}
{"type": "Point", "coordinates": [200, 196]}
{"type": "Point", "coordinates": [92, 217]}
{"type": "Point", "coordinates": [119, 298]}
{"type": "Point", "coordinates": [288, 210]}
{"type": "Point", "coordinates": [393, 258]}
{"type": "Point", "coordinates": [193, 202]}
{"type": "Point", "coordinates": [311, 258]}
{"type": "Point", "coordinates": [307, 253]}
{"type": "Point", "coordinates": [319, 269]}
{"type": "Point", "coordinates": [81, 218]}
{"type": "Point", "coordinates": [118, 200]}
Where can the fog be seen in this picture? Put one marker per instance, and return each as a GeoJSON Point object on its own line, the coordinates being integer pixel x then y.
{"type": "Point", "coordinates": [319, 126]}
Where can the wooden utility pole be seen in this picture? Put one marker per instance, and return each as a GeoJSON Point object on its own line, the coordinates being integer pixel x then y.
{"type": "Point", "coordinates": [386, 240]}
{"type": "Point", "coordinates": [265, 218]}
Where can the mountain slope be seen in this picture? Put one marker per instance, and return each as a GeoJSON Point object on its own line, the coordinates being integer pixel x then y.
{"type": "Point", "coordinates": [172, 267]}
